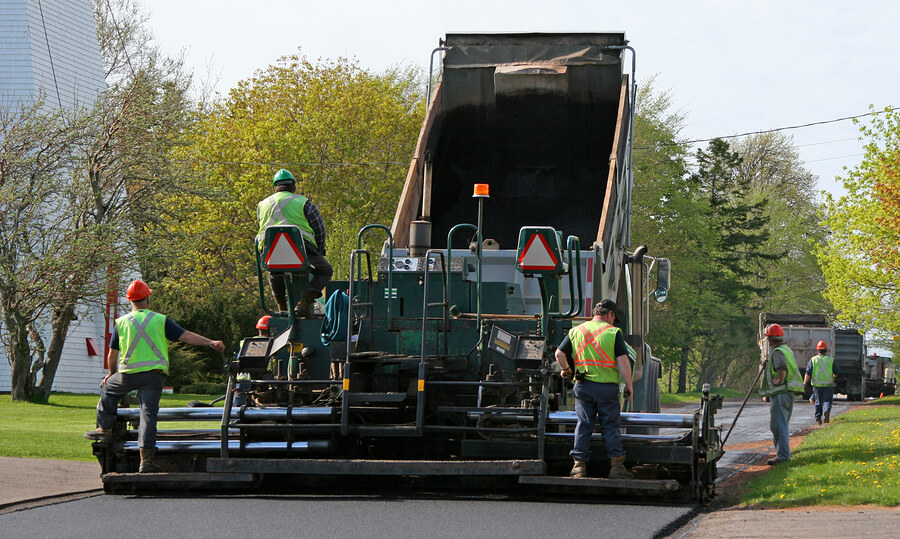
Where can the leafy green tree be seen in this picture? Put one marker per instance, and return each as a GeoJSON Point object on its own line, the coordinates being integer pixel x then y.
{"type": "Point", "coordinates": [776, 172]}
{"type": "Point", "coordinates": [35, 242]}
{"type": "Point", "coordinates": [345, 132]}
{"type": "Point", "coordinates": [861, 259]}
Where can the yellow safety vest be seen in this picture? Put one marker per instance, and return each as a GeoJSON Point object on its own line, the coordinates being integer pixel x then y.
{"type": "Point", "coordinates": [794, 382]}
{"type": "Point", "coordinates": [823, 371]}
{"type": "Point", "coordinates": [142, 342]}
{"type": "Point", "coordinates": [594, 350]}
{"type": "Point", "coordinates": [284, 208]}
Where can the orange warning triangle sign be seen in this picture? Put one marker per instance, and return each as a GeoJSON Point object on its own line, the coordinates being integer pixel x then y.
{"type": "Point", "coordinates": [537, 255]}
{"type": "Point", "coordinates": [284, 254]}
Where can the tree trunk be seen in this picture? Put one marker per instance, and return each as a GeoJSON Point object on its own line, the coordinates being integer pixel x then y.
{"type": "Point", "coordinates": [17, 328]}
{"type": "Point", "coordinates": [682, 371]}
{"type": "Point", "coordinates": [62, 319]}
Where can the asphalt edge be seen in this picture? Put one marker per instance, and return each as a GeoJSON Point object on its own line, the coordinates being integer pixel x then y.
{"type": "Point", "coordinates": [41, 501]}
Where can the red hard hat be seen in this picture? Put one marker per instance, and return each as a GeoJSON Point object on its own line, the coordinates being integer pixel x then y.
{"type": "Point", "coordinates": [774, 330]}
{"type": "Point", "coordinates": [821, 346]}
{"type": "Point", "coordinates": [137, 290]}
{"type": "Point", "coordinates": [263, 323]}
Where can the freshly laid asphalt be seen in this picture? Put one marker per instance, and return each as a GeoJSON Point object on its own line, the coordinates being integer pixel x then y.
{"type": "Point", "coordinates": [29, 483]}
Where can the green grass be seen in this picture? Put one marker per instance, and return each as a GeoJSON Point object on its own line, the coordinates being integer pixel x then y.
{"type": "Point", "coordinates": [694, 396]}
{"type": "Point", "coordinates": [54, 430]}
{"type": "Point", "coordinates": [853, 461]}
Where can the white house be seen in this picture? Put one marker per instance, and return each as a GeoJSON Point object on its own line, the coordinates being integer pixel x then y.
{"type": "Point", "coordinates": [50, 48]}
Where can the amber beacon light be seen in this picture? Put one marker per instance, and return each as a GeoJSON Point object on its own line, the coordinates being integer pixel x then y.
{"type": "Point", "coordinates": [482, 190]}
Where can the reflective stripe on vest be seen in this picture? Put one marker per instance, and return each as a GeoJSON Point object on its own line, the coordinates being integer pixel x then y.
{"type": "Point", "coordinates": [275, 211]}
{"type": "Point", "coordinates": [822, 373]}
{"type": "Point", "coordinates": [596, 359]}
{"type": "Point", "coordinates": [143, 336]}
{"type": "Point", "coordinates": [794, 382]}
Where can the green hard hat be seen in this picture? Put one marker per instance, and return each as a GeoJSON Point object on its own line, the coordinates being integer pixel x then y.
{"type": "Point", "coordinates": [283, 175]}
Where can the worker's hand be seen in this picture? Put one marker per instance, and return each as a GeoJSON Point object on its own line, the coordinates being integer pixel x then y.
{"type": "Point", "coordinates": [566, 373]}
{"type": "Point", "coordinates": [105, 378]}
{"type": "Point", "coordinates": [218, 345]}
{"type": "Point", "coordinates": [628, 392]}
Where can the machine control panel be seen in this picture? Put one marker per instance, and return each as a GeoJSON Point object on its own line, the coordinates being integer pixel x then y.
{"type": "Point", "coordinates": [526, 350]}
{"type": "Point", "coordinates": [413, 264]}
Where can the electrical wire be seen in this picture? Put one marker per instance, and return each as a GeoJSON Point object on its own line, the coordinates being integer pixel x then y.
{"type": "Point", "coordinates": [764, 131]}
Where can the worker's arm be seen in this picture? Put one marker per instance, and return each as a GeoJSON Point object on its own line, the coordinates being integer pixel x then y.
{"type": "Point", "coordinates": [316, 223]}
{"type": "Point", "coordinates": [112, 360]}
{"type": "Point", "coordinates": [781, 374]}
{"type": "Point", "coordinates": [625, 372]}
{"type": "Point", "coordinates": [199, 340]}
{"type": "Point", "coordinates": [563, 364]}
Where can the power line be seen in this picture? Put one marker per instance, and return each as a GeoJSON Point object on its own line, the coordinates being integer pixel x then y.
{"type": "Point", "coordinates": [762, 132]}
{"type": "Point", "coordinates": [282, 165]}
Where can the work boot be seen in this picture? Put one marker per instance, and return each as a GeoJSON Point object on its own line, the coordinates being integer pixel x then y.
{"type": "Point", "coordinates": [304, 308]}
{"type": "Point", "coordinates": [828, 416]}
{"type": "Point", "coordinates": [617, 469]}
{"type": "Point", "coordinates": [819, 421]}
{"type": "Point", "coordinates": [99, 435]}
{"type": "Point", "coordinates": [148, 465]}
{"type": "Point", "coordinates": [579, 470]}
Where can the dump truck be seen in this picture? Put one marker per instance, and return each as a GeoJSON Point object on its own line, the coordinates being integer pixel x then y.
{"type": "Point", "coordinates": [434, 365]}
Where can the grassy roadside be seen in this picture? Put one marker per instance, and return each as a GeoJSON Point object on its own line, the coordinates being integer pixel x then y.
{"type": "Point", "coordinates": [53, 431]}
{"type": "Point", "coordinates": [853, 461]}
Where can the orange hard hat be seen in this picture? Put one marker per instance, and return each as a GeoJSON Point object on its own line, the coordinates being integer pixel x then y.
{"type": "Point", "coordinates": [774, 330]}
{"type": "Point", "coordinates": [821, 346]}
{"type": "Point", "coordinates": [263, 322]}
{"type": "Point", "coordinates": [137, 290]}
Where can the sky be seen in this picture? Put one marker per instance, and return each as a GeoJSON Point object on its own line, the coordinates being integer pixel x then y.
{"type": "Point", "coordinates": [731, 67]}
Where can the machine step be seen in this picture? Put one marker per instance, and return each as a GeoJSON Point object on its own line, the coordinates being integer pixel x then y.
{"type": "Point", "coordinates": [666, 485]}
{"type": "Point", "coordinates": [375, 397]}
{"type": "Point", "coordinates": [376, 467]}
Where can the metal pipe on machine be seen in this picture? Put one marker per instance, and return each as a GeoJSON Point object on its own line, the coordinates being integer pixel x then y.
{"type": "Point", "coordinates": [626, 419]}
{"type": "Point", "coordinates": [214, 446]}
{"type": "Point", "coordinates": [215, 414]}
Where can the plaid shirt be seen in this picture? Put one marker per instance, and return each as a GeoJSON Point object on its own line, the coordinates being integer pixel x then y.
{"type": "Point", "coordinates": [314, 218]}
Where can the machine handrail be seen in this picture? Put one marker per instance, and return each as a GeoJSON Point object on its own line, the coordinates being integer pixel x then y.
{"type": "Point", "coordinates": [390, 267]}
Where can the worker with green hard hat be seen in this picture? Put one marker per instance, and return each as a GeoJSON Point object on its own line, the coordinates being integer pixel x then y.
{"type": "Point", "coordinates": [285, 207]}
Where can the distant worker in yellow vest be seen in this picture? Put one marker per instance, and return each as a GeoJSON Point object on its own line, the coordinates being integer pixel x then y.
{"type": "Point", "coordinates": [821, 371]}
{"type": "Point", "coordinates": [600, 363]}
{"type": "Point", "coordinates": [286, 208]}
{"type": "Point", "coordinates": [780, 380]}
{"type": "Point", "coordinates": [138, 359]}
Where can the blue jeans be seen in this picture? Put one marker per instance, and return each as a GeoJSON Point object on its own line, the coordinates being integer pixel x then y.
{"type": "Point", "coordinates": [780, 410]}
{"type": "Point", "coordinates": [149, 386]}
{"type": "Point", "coordinates": [600, 402]}
{"type": "Point", "coordinates": [823, 397]}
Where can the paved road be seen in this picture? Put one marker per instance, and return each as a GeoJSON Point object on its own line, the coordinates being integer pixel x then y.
{"type": "Point", "coordinates": [326, 516]}
{"type": "Point", "coordinates": [288, 516]}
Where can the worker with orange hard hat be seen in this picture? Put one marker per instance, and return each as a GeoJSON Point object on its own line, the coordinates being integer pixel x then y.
{"type": "Point", "coordinates": [138, 359]}
{"type": "Point", "coordinates": [780, 380]}
{"type": "Point", "coordinates": [821, 371]}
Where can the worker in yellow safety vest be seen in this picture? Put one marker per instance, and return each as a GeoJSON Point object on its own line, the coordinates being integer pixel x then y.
{"type": "Point", "coordinates": [821, 371]}
{"type": "Point", "coordinates": [138, 359]}
{"type": "Point", "coordinates": [780, 381]}
{"type": "Point", "coordinates": [599, 353]}
{"type": "Point", "coordinates": [284, 207]}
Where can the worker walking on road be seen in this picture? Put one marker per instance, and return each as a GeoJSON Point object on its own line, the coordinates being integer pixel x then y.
{"type": "Point", "coordinates": [780, 381]}
{"type": "Point", "coordinates": [138, 359]}
{"type": "Point", "coordinates": [601, 361]}
{"type": "Point", "coordinates": [286, 208]}
{"type": "Point", "coordinates": [821, 371]}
